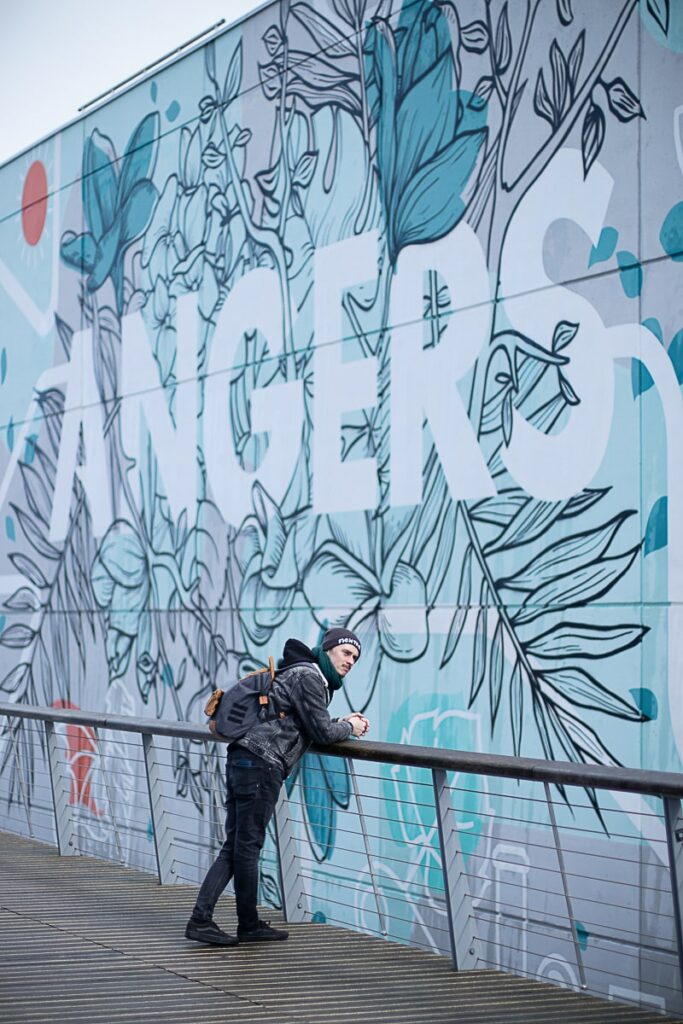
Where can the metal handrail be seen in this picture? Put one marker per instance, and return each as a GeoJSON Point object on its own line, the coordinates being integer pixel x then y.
{"type": "Point", "coordinates": [564, 773]}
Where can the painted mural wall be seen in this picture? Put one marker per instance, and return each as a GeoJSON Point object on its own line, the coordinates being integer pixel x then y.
{"type": "Point", "coordinates": [366, 313]}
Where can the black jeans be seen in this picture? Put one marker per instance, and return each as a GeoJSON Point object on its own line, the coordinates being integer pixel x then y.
{"type": "Point", "coordinates": [253, 788]}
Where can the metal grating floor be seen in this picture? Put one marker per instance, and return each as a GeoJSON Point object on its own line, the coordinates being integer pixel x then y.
{"type": "Point", "coordinates": [83, 940]}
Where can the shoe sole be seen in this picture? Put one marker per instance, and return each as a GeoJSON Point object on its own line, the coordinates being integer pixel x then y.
{"type": "Point", "coordinates": [211, 941]}
{"type": "Point", "coordinates": [262, 938]}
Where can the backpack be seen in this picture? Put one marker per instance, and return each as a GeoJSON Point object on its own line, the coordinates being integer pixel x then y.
{"type": "Point", "coordinates": [233, 712]}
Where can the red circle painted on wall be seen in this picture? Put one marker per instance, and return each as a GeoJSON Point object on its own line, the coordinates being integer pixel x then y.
{"type": "Point", "coordinates": [34, 202]}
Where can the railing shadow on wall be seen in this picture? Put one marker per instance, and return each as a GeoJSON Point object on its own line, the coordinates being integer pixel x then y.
{"type": "Point", "coordinates": [402, 842]}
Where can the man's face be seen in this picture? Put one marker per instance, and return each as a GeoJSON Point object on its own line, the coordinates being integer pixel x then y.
{"type": "Point", "coordinates": [343, 657]}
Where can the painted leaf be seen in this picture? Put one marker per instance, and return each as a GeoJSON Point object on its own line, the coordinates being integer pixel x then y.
{"type": "Point", "coordinates": [273, 38]}
{"type": "Point", "coordinates": [137, 211]}
{"type": "Point", "coordinates": [575, 60]}
{"type": "Point", "coordinates": [23, 599]}
{"type": "Point", "coordinates": [337, 778]}
{"type": "Point", "coordinates": [140, 156]}
{"type": "Point", "coordinates": [460, 614]}
{"type": "Point", "coordinates": [587, 740]}
{"type": "Point", "coordinates": [660, 11]}
{"type": "Point", "coordinates": [630, 273]}
{"type": "Point", "coordinates": [29, 569]}
{"type": "Point", "coordinates": [516, 708]}
{"type": "Point", "coordinates": [482, 93]}
{"type": "Point", "coordinates": [580, 586]}
{"type": "Point", "coordinates": [583, 640]}
{"type": "Point", "coordinates": [431, 204]}
{"type": "Point", "coordinates": [321, 29]}
{"type": "Point", "coordinates": [605, 247]}
{"type": "Point", "coordinates": [100, 185]}
{"type": "Point", "coordinates": [592, 136]}
{"type": "Point", "coordinates": [641, 380]}
{"type": "Point", "coordinates": [503, 45]}
{"type": "Point", "coordinates": [647, 702]}
{"type": "Point", "coordinates": [305, 168]}
{"type": "Point", "coordinates": [16, 678]}
{"type": "Point", "coordinates": [560, 80]}
{"type": "Point", "coordinates": [564, 334]}
{"type": "Point", "coordinates": [533, 519]}
{"type": "Point", "coordinates": [583, 501]}
{"type": "Point", "coordinates": [542, 104]}
{"type": "Point", "coordinates": [564, 11]}
{"type": "Point", "coordinates": [233, 77]}
{"type": "Point", "coordinates": [425, 120]}
{"type": "Point", "coordinates": [78, 251]}
{"type": "Point", "coordinates": [566, 556]}
{"type": "Point", "coordinates": [496, 671]}
{"type": "Point", "coordinates": [582, 689]}
{"type": "Point", "coordinates": [622, 101]}
{"type": "Point", "coordinates": [478, 656]}
{"type": "Point", "coordinates": [657, 529]}
{"type": "Point", "coordinates": [475, 36]}
{"type": "Point", "coordinates": [499, 510]}
{"type": "Point", "coordinates": [17, 635]}
{"type": "Point", "coordinates": [35, 535]}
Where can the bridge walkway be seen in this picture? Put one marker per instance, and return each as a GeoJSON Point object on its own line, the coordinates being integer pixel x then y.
{"type": "Point", "coordinates": [84, 940]}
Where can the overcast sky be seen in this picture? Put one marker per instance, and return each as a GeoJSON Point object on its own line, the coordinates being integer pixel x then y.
{"type": "Point", "coordinates": [56, 55]}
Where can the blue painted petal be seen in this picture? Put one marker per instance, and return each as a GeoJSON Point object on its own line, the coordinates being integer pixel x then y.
{"type": "Point", "coordinates": [140, 156]}
{"type": "Point", "coordinates": [630, 272]}
{"type": "Point", "coordinates": [671, 235]}
{"type": "Point", "coordinates": [30, 450]}
{"type": "Point", "coordinates": [153, 90]}
{"type": "Point", "coordinates": [646, 702]}
{"type": "Point", "coordinates": [100, 184]}
{"type": "Point", "coordinates": [582, 935]}
{"type": "Point", "coordinates": [137, 211]}
{"type": "Point", "coordinates": [320, 811]}
{"type": "Point", "coordinates": [676, 354]}
{"type": "Point", "coordinates": [78, 251]}
{"type": "Point", "coordinates": [9, 528]}
{"type": "Point", "coordinates": [10, 434]}
{"type": "Point", "coordinates": [640, 378]}
{"type": "Point", "coordinates": [107, 250]}
{"type": "Point", "coordinates": [172, 111]}
{"type": "Point", "coordinates": [655, 327]}
{"type": "Point", "coordinates": [431, 204]}
{"type": "Point", "coordinates": [657, 529]}
{"type": "Point", "coordinates": [604, 250]}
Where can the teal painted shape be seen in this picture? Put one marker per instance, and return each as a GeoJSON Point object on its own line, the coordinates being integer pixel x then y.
{"type": "Point", "coordinates": [10, 434]}
{"type": "Point", "coordinates": [676, 354]}
{"type": "Point", "coordinates": [646, 701]}
{"type": "Point", "coordinates": [640, 378]}
{"type": "Point", "coordinates": [2, 622]}
{"type": "Point", "coordinates": [3, 366]}
{"type": "Point", "coordinates": [582, 935]}
{"type": "Point", "coordinates": [653, 325]}
{"type": "Point", "coordinates": [9, 528]}
{"type": "Point", "coordinates": [671, 235]}
{"type": "Point", "coordinates": [318, 917]}
{"type": "Point", "coordinates": [30, 449]}
{"type": "Point", "coordinates": [657, 530]}
{"type": "Point", "coordinates": [150, 830]}
{"type": "Point", "coordinates": [172, 111]}
{"type": "Point", "coordinates": [630, 272]}
{"type": "Point", "coordinates": [167, 675]}
{"type": "Point", "coordinates": [604, 250]}
{"type": "Point", "coordinates": [153, 91]}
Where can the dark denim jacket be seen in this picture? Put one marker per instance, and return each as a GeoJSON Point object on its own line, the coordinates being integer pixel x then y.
{"type": "Point", "coordinates": [301, 697]}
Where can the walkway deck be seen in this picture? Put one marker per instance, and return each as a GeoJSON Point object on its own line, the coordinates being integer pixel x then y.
{"type": "Point", "coordinates": [82, 940]}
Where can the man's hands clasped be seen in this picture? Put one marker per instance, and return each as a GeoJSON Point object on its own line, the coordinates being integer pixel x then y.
{"type": "Point", "coordinates": [359, 723]}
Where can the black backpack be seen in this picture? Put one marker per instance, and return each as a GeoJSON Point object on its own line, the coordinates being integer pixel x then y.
{"type": "Point", "coordinates": [232, 713]}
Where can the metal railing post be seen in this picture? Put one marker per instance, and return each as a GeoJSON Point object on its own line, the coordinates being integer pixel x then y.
{"type": "Point", "coordinates": [162, 832]}
{"type": "Point", "coordinates": [366, 846]}
{"type": "Point", "coordinates": [61, 788]}
{"type": "Point", "coordinates": [673, 819]}
{"type": "Point", "coordinates": [461, 920]}
{"type": "Point", "coordinates": [565, 887]}
{"type": "Point", "coordinates": [294, 899]}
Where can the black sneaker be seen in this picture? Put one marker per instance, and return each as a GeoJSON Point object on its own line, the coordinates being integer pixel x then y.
{"type": "Point", "coordinates": [262, 933]}
{"type": "Point", "coordinates": [208, 931]}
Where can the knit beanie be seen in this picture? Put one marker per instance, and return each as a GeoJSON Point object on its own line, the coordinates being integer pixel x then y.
{"type": "Point", "coordinates": [337, 636]}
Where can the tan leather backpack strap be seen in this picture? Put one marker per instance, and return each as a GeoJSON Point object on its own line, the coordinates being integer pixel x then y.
{"type": "Point", "coordinates": [271, 666]}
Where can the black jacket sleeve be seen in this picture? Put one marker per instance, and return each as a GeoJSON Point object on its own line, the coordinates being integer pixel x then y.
{"type": "Point", "coordinates": [309, 701]}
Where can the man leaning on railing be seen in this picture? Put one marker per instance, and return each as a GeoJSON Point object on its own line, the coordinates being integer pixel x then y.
{"type": "Point", "coordinates": [258, 763]}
